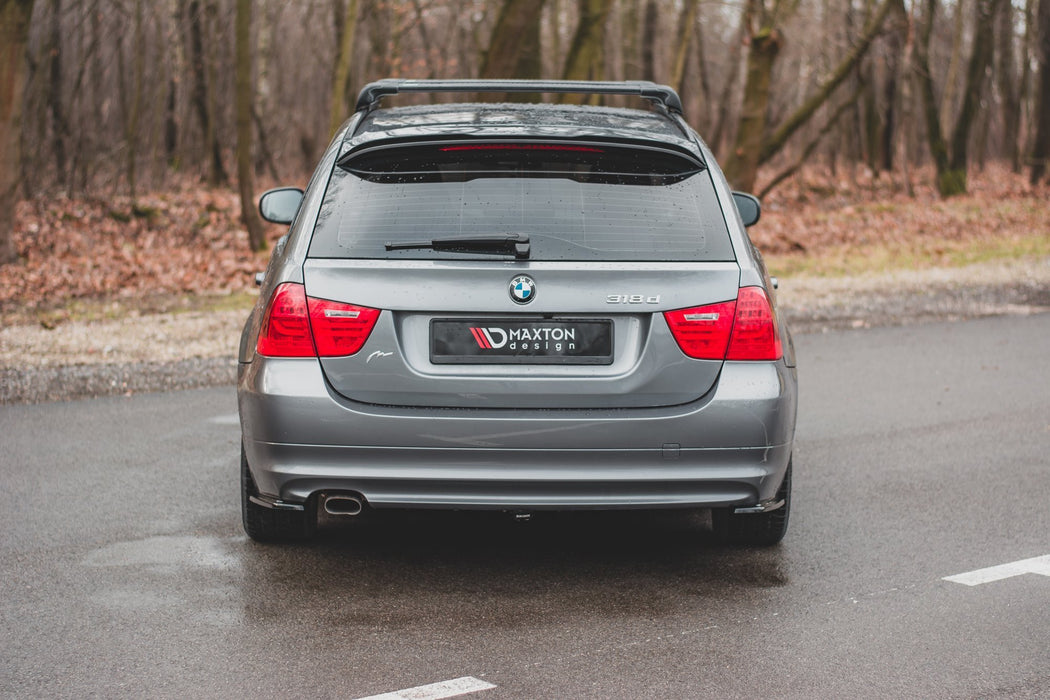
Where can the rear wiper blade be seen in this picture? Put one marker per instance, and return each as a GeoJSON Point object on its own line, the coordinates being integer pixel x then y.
{"type": "Point", "coordinates": [516, 244]}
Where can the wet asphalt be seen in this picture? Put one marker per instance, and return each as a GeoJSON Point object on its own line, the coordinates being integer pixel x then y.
{"type": "Point", "coordinates": [922, 452]}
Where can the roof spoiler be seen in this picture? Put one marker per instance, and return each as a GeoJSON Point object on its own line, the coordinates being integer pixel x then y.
{"type": "Point", "coordinates": [662, 95]}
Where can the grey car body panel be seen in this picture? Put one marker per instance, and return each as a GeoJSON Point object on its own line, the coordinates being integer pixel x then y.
{"type": "Point", "coordinates": [720, 437]}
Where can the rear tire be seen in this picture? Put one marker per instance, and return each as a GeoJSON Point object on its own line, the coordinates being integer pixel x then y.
{"type": "Point", "coordinates": [755, 529]}
{"type": "Point", "coordinates": [264, 524]}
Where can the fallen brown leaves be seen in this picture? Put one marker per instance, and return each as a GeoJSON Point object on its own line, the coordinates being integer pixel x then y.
{"type": "Point", "coordinates": [816, 212]}
{"type": "Point", "coordinates": [189, 240]}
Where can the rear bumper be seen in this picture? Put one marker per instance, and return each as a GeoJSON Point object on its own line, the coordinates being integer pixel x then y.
{"type": "Point", "coordinates": [730, 448]}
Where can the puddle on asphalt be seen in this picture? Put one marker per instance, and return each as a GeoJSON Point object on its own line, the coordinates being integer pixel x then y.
{"type": "Point", "coordinates": [161, 553]}
{"type": "Point", "coordinates": [189, 578]}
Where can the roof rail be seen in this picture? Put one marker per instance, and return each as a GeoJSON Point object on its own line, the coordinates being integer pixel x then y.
{"type": "Point", "coordinates": [663, 95]}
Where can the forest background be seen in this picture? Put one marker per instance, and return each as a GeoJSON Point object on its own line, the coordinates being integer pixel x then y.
{"type": "Point", "coordinates": [135, 135]}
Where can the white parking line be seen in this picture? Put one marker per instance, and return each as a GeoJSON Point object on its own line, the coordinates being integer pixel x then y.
{"type": "Point", "coordinates": [436, 691]}
{"type": "Point", "coordinates": [1035, 565]}
{"type": "Point", "coordinates": [230, 419]}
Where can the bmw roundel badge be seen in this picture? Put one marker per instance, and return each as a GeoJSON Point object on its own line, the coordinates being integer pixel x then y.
{"type": "Point", "coordinates": [522, 289]}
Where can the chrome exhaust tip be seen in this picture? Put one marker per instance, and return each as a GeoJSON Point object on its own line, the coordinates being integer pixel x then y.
{"type": "Point", "coordinates": [344, 504]}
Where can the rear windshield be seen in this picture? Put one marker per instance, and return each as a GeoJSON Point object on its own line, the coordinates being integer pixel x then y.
{"type": "Point", "coordinates": [574, 202]}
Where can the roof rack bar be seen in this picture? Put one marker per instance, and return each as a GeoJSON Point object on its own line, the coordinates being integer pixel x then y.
{"type": "Point", "coordinates": [663, 95]}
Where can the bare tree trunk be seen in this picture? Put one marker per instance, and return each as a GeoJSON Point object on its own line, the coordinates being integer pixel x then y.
{"type": "Point", "coordinates": [951, 81]}
{"type": "Point", "coordinates": [742, 167]}
{"type": "Point", "coordinates": [377, 17]}
{"type": "Point", "coordinates": [1008, 87]}
{"type": "Point", "coordinates": [980, 60]}
{"type": "Point", "coordinates": [869, 104]}
{"type": "Point", "coordinates": [396, 36]}
{"type": "Point", "coordinates": [870, 115]}
{"type": "Point", "coordinates": [703, 119]}
{"type": "Point", "coordinates": [345, 16]}
{"type": "Point", "coordinates": [686, 29]}
{"type": "Point", "coordinates": [34, 116]}
{"type": "Point", "coordinates": [80, 149]}
{"type": "Point", "coordinates": [908, 104]}
{"type": "Point", "coordinates": [934, 134]}
{"type": "Point", "coordinates": [98, 98]}
{"type": "Point", "coordinates": [244, 98]}
{"type": "Point", "coordinates": [530, 60]}
{"type": "Point", "coordinates": [853, 142]}
{"type": "Point", "coordinates": [649, 30]}
{"type": "Point", "coordinates": [265, 154]}
{"type": "Point", "coordinates": [510, 37]}
{"type": "Point", "coordinates": [424, 37]}
{"type": "Point", "coordinates": [171, 126]}
{"type": "Point", "coordinates": [632, 56]}
{"type": "Point", "coordinates": [176, 69]}
{"type": "Point", "coordinates": [203, 92]}
{"type": "Point", "coordinates": [555, 59]}
{"type": "Point", "coordinates": [725, 97]}
{"type": "Point", "coordinates": [14, 33]}
{"type": "Point", "coordinates": [1025, 98]}
{"type": "Point", "coordinates": [585, 59]}
{"type": "Point", "coordinates": [892, 88]}
{"type": "Point", "coordinates": [211, 67]}
{"type": "Point", "coordinates": [1041, 147]}
{"type": "Point", "coordinates": [980, 132]}
{"type": "Point", "coordinates": [133, 102]}
{"type": "Point", "coordinates": [59, 123]}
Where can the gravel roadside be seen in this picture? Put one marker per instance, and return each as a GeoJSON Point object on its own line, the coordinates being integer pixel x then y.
{"type": "Point", "coordinates": [160, 352]}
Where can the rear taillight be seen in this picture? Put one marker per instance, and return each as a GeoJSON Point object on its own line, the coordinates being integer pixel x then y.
{"type": "Point", "coordinates": [286, 327]}
{"type": "Point", "coordinates": [340, 329]}
{"type": "Point", "coordinates": [744, 329]}
{"type": "Point", "coordinates": [299, 326]}
{"type": "Point", "coordinates": [755, 332]}
{"type": "Point", "coordinates": [703, 331]}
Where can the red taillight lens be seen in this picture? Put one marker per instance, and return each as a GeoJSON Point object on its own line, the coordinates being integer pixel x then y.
{"type": "Point", "coordinates": [286, 326]}
{"type": "Point", "coordinates": [703, 331]}
{"type": "Point", "coordinates": [299, 326]}
{"type": "Point", "coordinates": [340, 329]}
{"type": "Point", "coordinates": [755, 332]}
{"type": "Point", "coordinates": [744, 329]}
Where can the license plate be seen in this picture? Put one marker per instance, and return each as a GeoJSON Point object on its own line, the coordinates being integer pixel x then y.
{"type": "Point", "coordinates": [508, 341]}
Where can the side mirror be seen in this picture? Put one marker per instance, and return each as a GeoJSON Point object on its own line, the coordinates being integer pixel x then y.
{"type": "Point", "coordinates": [749, 207]}
{"type": "Point", "coordinates": [279, 206]}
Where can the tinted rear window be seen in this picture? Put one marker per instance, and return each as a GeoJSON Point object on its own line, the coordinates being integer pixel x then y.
{"type": "Point", "coordinates": [574, 201]}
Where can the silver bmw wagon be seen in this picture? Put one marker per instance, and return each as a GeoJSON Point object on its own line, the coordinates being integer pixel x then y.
{"type": "Point", "coordinates": [518, 307]}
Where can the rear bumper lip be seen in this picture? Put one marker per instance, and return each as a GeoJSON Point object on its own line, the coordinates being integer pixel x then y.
{"type": "Point", "coordinates": [275, 503]}
{"type": "Point", "coordinates": [730, 448]}
{"type": "Point", "coordinates": [766, 506]}
{"type": "Point", "coordinates": [516, 479]}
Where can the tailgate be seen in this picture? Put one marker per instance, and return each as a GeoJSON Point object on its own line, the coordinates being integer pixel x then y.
{"type": "Point", "coordinates": [592, 335]}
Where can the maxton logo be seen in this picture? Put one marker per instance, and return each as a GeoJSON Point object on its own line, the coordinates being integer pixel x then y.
{"type": "Point", "coordinates": [485, 338]}
{"type": "Point", "coordinates": [493, 338]}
